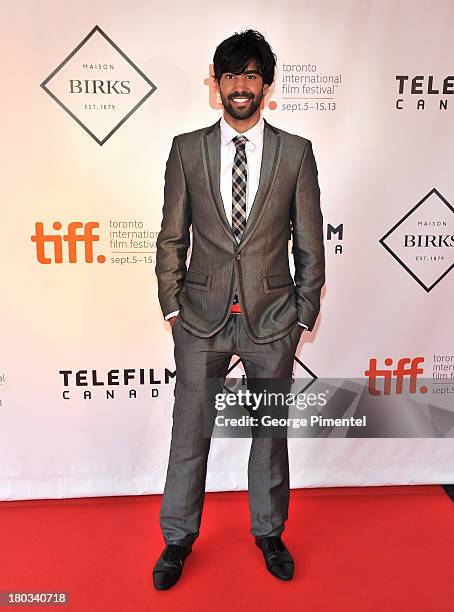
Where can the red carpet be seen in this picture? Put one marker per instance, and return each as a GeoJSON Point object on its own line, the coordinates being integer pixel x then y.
{"type": "Point", "coordinates": [356, 549]}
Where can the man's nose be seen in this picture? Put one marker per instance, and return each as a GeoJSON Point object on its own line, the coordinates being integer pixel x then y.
{"type": "Point", "coordinates": [242, 81]}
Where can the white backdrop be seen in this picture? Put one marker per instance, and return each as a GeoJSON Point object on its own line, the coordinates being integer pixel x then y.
{"type": "Point", "coordinates": [64, 161]}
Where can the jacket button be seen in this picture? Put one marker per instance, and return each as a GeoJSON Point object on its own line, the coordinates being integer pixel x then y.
{"type": "Point", "coordinates": [238, 257]}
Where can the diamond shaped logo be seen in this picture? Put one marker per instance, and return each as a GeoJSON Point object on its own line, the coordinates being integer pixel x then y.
{"type": "Point", "coordinates": [303, 377]}
{"type": "Point", "coordinates": [423, 240]}
{"type": "Point", "coordinates": [98, 86]}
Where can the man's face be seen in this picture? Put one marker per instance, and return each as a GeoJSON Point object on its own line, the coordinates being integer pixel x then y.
{"type": "Point", "coordinates": [242, 94]}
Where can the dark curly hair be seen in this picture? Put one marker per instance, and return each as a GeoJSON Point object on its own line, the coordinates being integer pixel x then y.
{"type": "Point", "coordinates": [233, 55]}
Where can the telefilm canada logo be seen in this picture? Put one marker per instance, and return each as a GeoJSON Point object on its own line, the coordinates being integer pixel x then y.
{"type": "Point", "coordinates": [337, 234]}
{"type": "Point", "coordinates": [98, 85]}
{"type": "Point", "coordinates": [423, 92]}
{"type": "Point", "coordinates": [116, 383]}
{"type": "Point", "coordinates": [422, 241]}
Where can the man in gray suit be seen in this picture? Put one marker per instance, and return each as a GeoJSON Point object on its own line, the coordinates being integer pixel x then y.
{"type": "Point", "coordinates": [245, 187]}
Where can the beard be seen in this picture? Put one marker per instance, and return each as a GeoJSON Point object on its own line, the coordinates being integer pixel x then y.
{"type": "Point", "coordinates": [249, 108]}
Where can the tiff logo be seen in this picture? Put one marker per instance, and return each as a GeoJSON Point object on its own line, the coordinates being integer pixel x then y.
{"type": "Point", "coordinates": [72, 238]}
{"type": "Point", "coordinates": [216, 103]}
{"type": "Point", "coordinates": [399, 373]}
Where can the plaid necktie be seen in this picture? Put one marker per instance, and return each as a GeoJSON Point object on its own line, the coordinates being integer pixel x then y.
{"type": "Point", "coordinates": [239, 182]}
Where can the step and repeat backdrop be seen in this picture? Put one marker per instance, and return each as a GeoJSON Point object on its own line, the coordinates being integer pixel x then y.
{"type": "Point", "coordinates": [93, 93]}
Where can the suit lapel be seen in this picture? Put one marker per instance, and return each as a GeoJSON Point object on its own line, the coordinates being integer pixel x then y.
{"type": "Point", "coordinates": [212, 164]}
{"type": "Point", "coordinates": [271, 154]}
{"type": "Point", "coordinates": [270, 159]}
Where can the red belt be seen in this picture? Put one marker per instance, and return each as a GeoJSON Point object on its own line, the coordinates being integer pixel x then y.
{"type": "Point", "coordinates": [235, 309]}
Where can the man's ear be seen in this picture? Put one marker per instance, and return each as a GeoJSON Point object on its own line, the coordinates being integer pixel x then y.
{"type": "Point", "coordinates": [265, 89]}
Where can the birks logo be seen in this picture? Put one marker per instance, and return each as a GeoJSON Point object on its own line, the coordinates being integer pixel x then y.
{"type": "Point", "coordinates": [98, 86]}
{"type": "Point", "coordinates": [301, 374]}
{"type": "Point", "coordinates": [406, 368]}
{"type": "Point", "coordinates": [58, 248]}
{"type": "Point", "coordinates": [423, 240]}
{"type": "Point", "coordinates": [421, 92]}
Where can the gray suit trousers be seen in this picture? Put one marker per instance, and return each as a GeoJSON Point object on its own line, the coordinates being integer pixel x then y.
{"type": "Point", "coordinates": [197, 359]}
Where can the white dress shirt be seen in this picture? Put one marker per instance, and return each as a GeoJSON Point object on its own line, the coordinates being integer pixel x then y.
{"type": "Point", "coordinates": [254, 150]}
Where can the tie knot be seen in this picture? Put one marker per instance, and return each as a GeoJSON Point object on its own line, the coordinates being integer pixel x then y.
{"type": "Point", "coordinates": [240, 142]}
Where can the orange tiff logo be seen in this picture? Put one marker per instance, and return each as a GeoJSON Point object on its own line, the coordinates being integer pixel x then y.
{"type": "Point", "coordinates": [213, 99]}
{"type": "Point", "coordinates": [407, 368]}
{"type": "Point", "coordinates": [54, 242]}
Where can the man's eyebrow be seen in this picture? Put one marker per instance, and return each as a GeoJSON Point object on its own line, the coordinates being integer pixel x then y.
{"type": "Point", "coordinates": [244, 72]}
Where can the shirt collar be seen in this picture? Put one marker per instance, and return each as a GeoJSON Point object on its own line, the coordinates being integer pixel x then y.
{"type": "Point", "coordinates": [254, 134]}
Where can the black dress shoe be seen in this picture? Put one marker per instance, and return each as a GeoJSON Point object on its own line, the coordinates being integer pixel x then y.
{"type": "Point", "coordinates": [277, 557]}
{"type": "Point", "coordinates": [169, 566]}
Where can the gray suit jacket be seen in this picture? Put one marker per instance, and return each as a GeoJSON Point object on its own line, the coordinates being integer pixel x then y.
{"type": "Point", "coordinates": [287, 203]}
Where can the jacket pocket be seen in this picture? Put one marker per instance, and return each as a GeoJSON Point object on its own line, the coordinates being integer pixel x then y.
{"type": "Point", "coordinates": [276, 283]}
{"type": "Point", "coordinates": [197, 280]}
